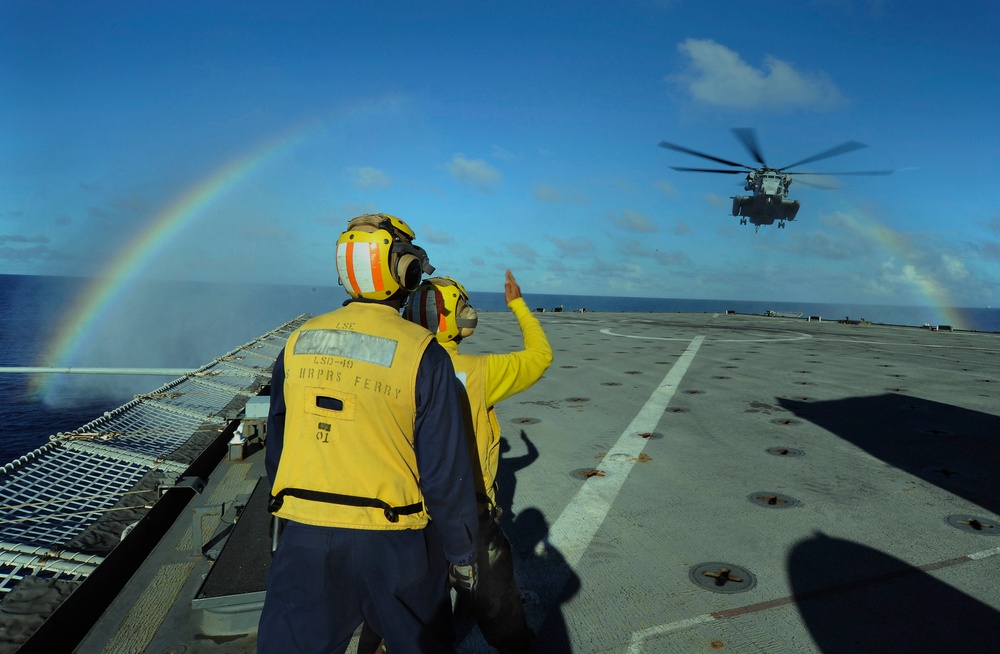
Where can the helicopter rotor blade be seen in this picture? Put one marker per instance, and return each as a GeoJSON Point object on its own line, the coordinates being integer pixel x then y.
{"type": "Point", "coordinates": [709, 170]}
{"type": "Point", "coordinates": [854, 172]}
{"type": "Point", "coordinates": [843, 148]}
{"type": "Point", "coordinates": [748, 137]}
{"type": "Point", "coordinates": [681, 148]}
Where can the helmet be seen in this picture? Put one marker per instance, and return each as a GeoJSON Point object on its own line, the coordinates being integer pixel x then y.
{"type": "Point", "coordinates": [441, 305]}
{"type": "Point", "coordinates": [376, 257]}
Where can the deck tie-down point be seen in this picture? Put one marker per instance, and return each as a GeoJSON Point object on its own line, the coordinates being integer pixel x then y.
{"type": "Point", "coordinates": [973, 524]}
{"type": "Point", "coordinates": [722, 577]}
{"type": "Point", "coordinates": [772, 500]}
{"type": "Point", "coordinates": [586, 473]}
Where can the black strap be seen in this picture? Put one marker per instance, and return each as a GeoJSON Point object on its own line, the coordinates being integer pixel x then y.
{"type": "Point", "coordinates": [392, 513]}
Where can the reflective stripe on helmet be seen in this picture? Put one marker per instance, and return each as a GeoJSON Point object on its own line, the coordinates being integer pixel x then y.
{"type": "Point", "coordinates": [428, 306]}
{"type": "Point", "coordinates": [360, 263]}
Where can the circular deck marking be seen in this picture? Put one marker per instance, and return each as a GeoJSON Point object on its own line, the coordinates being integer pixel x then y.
{"type": "Point", "coordinates": [722, 577]}
{"type": "Point", "coordinates": [797, 336]}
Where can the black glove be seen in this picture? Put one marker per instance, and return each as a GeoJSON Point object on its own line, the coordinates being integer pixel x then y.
{"type": "Point", "coordinates": [463, 577]}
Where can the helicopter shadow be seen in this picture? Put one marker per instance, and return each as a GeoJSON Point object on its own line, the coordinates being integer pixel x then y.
{"type": "Point", "coordinates": [948, 446]}
{"type": "Point", "coordinates": [888, 606]}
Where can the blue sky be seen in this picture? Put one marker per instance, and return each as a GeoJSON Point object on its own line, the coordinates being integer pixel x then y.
{"type": "Point", "coordinates": [509, 134]}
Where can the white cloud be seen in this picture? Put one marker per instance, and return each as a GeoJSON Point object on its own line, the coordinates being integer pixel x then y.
{"type": "Point", "coordinates": [368, 177]}
{"type": "Point", "coordinates": [550, 193]}
{"type": "Point", "coordinates": [523, 251]}
{"type": "Point", "coordinates": [573, 247]}
{"type": "Point", "coordinates": [718, 76]}
{"type": "Point", "coordinates": [476, 172]}
{"type": "Point", "coordinates": [633, 221]}
{"type": "Point", "coordinates": [954, 267]}
{"type": "Point", "coordinates": [505, 155]}
{"type": "Point", "coordinates": [665, 186]}
{"type": "Point", "coordinates": [428, 235]}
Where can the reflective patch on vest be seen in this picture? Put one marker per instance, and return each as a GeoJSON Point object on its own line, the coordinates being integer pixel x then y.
{"type": "Point", "coordinates": [351, 345]}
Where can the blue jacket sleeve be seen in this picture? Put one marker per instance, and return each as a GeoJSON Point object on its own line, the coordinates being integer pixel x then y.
{"type": "Point", "coordinates": [446, 477]}
{"type": "Point", "coordinates": [275, 418]}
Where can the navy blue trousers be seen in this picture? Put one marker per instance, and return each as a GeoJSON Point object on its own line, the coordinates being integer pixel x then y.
{"type": "Point", "coordinates": [325, 581]}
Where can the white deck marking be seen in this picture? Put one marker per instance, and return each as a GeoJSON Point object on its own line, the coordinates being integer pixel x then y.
{"type": "Point", "coordinates": [799, 336]}
{"type": "Point", "coordinates": [572, 532]}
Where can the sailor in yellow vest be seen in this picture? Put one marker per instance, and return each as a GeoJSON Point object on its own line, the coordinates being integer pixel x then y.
{"type": "Point", "coordinates": [442, 305]}
{"type": "Point", "coordinates": [366, 441]}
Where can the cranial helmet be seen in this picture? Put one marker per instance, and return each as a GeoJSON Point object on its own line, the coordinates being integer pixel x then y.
{"type": "Point", "coordinates": [376, 257]}
{"type": "Point", "coordinates": [441, 305]}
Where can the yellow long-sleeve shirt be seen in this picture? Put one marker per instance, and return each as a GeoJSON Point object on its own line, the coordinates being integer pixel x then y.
{"type": "Point", "coordinates": [492, 378]}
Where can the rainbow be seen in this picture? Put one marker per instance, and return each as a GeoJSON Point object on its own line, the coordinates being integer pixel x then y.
{"type": "Point", "coordinates": [123, 270]}
{"type": "Point", "coordinates": [900, 247]}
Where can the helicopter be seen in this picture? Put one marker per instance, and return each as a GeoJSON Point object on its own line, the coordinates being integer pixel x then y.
{"type": "Point", "coordinates": [769, 202]}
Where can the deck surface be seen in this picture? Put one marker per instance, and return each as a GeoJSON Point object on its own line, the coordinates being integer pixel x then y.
{"type": "Point", "coordinates": [712, 482]}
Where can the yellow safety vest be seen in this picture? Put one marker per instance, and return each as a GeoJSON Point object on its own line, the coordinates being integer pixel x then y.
{"type": "Point", "coordinates": [347, 458]}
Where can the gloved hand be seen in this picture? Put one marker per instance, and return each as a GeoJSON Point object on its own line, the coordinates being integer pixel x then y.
{"type": "Point", "coordinates": [463, 577]}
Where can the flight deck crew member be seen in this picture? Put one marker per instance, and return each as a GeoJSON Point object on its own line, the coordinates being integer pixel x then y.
{"type": "Point", "coordinates": [366, 441]}
{"type": "Point", "coordinates": [442, 305]}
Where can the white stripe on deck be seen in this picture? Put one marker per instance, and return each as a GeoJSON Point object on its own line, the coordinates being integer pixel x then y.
{"type": "Point", "coordinates": [572, 532]}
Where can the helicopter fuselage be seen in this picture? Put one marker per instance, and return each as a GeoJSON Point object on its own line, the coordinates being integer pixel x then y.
{"type": "Point", "coordinates": [769, 201]}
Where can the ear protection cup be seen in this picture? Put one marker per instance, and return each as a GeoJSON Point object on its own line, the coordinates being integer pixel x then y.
{"type": "Point", "coordinates": [466, 321]}
{"type": "Point", "coordinates": [408, 271]}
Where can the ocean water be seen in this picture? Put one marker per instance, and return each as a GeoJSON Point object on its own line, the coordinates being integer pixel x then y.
{"type": "Point", "coordinates": [187, 324]}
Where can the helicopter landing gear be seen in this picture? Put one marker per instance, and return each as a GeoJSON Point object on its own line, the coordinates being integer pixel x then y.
{"type": "Point", "coordinates": [781, 224]}
{"type": "Point", "coordinates": [743, 221]}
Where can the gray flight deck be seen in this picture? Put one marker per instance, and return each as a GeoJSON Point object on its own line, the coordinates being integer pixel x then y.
{"type": "Point", "coordinates": [692, 483]}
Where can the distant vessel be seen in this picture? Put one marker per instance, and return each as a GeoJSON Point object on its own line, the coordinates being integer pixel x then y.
{"type": "Point", "coordinates": [676, 482]}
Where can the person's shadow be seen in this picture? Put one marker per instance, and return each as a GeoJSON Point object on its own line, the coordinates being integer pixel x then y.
{"type": "Point", "coordinates": [545, 579]}
{"type": "Point", "coordinates": [507, 476]}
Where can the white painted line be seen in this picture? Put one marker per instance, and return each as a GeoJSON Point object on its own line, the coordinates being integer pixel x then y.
{"type": "Point", "coordinates": [635, 644]}
{"type": "Point", "coordinates": [799, 336]}
{"type": "Point", "coordinates": [985, 554]}
{"type": "Point", "coordinates": [572, 532]}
